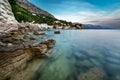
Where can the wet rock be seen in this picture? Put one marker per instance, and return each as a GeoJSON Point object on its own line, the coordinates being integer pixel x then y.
{"type": "Point", "coordinates": [56, 32]}
{"type": "Point", "coordinates": [14, 32]}
{"type": "Point", "coordinates": [23, 40]}
{"type": "Point", "coordinates": [25, 37]}
{"type": "Point", "coordinates": [16, 38]}
{"type": "Point", "coordinates": [93, 74]}
{"type": "Point", "coordinates": [50, 43]}
{"type": "Point", "coordinates": [7, 40]}
{"type": "Point", "coordinates": [32, 38]}
{"type": "Point", "coordinates": [23, 30]}
{"type": "Point", "coordinates": [41, 49]}
{"type": "Point", "coordinates": [38, 33]}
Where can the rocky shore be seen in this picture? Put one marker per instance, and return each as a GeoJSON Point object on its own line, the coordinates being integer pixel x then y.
{"type": "Point", "coordinates": [17, 49]}
{"type": "Point", "coordinates": [10, 61]}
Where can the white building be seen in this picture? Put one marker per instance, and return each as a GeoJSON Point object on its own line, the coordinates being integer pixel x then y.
{"type": "Point", "coordinates": [45, 26]}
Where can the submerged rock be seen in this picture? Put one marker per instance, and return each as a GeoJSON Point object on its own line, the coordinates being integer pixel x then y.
{"type": "Point", "coordinates": [93, 74]}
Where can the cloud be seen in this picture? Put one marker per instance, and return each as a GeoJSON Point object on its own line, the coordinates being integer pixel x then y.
{"type": "Point", "coordinates": [92, 17]}
{"type": "Point", "coordinates": [111, 19]}
{"type": "Point", "coordinates": [87, 13]}
{"type": "Point", "coordinates": [82, 16]}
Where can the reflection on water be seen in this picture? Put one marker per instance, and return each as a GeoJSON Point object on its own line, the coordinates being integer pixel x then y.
{"type": "Point", "coordinates": [78, 52]}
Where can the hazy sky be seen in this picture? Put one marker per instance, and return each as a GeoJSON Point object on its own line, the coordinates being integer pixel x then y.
{"type": "Point", "coordinates": [105, 12]}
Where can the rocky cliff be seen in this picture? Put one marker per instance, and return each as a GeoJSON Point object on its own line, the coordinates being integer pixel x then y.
{"type": "Point", "coordinates": [7, 18]}
{"type": "Point", "coordinates": [32, 8]}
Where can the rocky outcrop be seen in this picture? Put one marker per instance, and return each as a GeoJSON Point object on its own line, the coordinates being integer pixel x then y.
{"type": "Point", "coordinates": [11, 61]}
{"type": "Point", "coordinates": [32, 8]}
{"type": "Point", "coordinates": [7, 19]}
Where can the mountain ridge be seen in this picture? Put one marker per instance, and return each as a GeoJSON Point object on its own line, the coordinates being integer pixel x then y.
{"type": "Point", "coordinates": [33, 8]}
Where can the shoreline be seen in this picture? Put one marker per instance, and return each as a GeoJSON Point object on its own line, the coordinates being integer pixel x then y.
{"type": "Point", "coordinates": [15, 53]}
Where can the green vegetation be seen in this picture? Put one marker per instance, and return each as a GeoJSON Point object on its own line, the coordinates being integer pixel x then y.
{"type": "Point", "coordinates": [22, 14]}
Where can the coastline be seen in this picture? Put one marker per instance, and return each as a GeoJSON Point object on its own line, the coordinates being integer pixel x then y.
{"type": "Point", "coordinates": [16, 54]}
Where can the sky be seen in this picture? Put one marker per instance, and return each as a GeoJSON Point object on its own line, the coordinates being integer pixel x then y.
{"type": "Point", "coordinates": [99, 12]}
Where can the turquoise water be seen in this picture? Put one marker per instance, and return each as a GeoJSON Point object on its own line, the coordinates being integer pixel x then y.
{"type": "Point", "coordinates": [77, 51]}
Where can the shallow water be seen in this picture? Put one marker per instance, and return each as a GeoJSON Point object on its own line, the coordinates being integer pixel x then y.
{"type": "Point", "coordinates": [76, 51]}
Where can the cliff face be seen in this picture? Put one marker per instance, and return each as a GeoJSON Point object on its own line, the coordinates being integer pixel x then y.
{"type": "Point", "coordinates": [7, 18]}
{"type": "Point", "coordinates": [32, 8]}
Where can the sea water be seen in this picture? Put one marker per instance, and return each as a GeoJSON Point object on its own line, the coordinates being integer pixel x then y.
{"type": "Point", "coordinates": [77, 51]}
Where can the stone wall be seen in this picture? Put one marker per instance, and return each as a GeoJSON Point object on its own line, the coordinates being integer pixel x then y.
{"type": "Point", "coordinates": [7, 19]}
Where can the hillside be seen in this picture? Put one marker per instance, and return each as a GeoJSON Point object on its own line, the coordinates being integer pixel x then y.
{"type": "Point", "coordinates": [22, 14]}
{"type": "Point", "coordinates": [32, 8]}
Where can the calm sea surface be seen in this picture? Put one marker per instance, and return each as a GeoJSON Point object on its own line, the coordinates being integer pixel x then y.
{"type": "Point", "coordinates": [77, 51]}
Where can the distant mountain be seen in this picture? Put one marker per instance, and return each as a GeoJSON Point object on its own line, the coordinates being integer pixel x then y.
{"type": "Point", "coordinates": [90, 26]}
{"type": "Point", "coordinates": [32, 8]}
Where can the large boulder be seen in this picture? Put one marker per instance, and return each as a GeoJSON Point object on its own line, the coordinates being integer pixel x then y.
{"type": "Point", "coordinates": [43, 48]}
